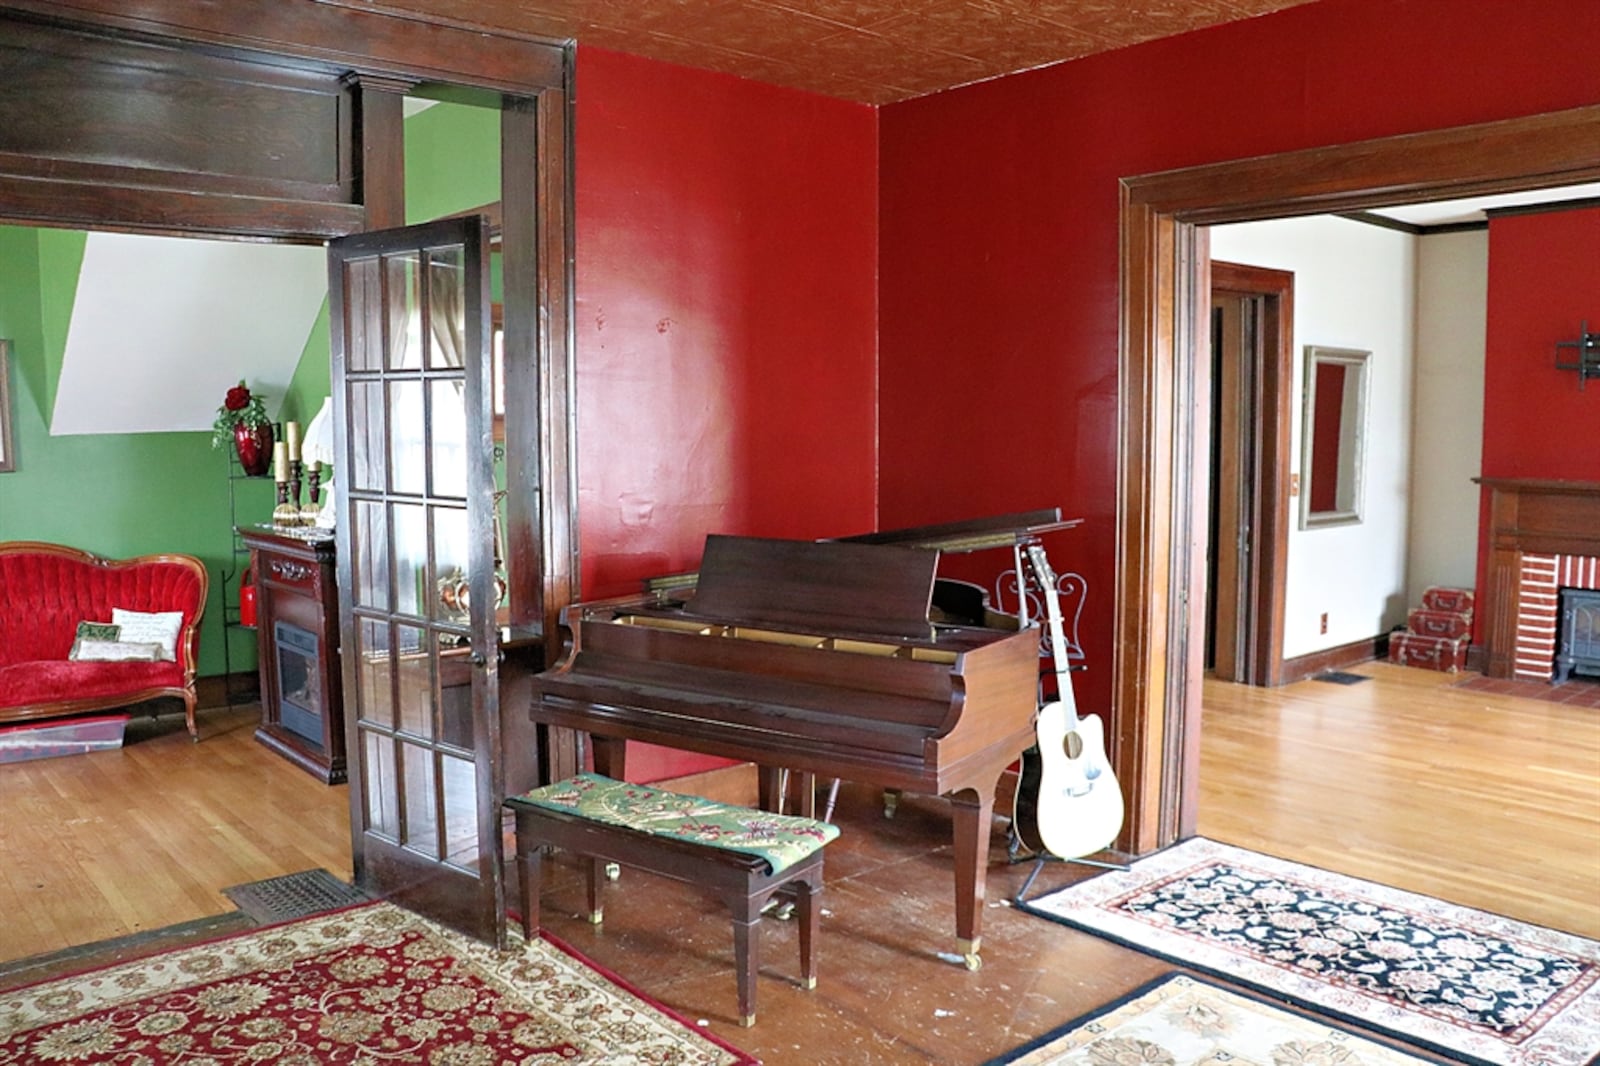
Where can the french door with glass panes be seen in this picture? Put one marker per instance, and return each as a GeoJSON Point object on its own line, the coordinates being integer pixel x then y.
{"type": "Point", "coordinates": [410, 318]}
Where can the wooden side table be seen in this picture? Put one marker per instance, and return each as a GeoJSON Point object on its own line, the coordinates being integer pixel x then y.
{"type": "Point", "coordinates": [297, 634]}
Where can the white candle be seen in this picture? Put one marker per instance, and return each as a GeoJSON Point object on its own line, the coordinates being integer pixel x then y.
{"type": "Point", "coordinates": [280, 462]}
{"type": "Point", "coordinates": [292, 431]}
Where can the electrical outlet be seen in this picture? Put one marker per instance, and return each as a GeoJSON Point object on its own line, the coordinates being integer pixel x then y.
{"type": "Point", "coordinates": [1323, 623]}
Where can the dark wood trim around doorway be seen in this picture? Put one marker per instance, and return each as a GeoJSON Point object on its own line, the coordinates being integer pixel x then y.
{"type": "Point", "coordinates": [1160, 540]}
{"type": "Point", "coordinates": [1271, 293]}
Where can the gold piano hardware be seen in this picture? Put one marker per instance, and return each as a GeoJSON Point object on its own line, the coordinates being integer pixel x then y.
{"type": "Point", "coordinates": [799, 640]}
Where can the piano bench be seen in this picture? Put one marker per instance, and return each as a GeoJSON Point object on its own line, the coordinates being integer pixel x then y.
{"type": "Point", "coordinates": [743, 856]}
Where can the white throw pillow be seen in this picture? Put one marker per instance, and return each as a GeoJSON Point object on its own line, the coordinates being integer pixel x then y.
{"type": "Point", "coordinates": [115, 651]}
{"type": "Point", "coordinates": [159, 628]}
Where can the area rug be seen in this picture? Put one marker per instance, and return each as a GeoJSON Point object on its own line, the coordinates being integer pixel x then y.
{"type": "Point", "coordinates": [1451, 979]}
{"type": "Point", "coordinates": [372, 984]}
{"type": "Point", "coordinates": [1178, 1020]}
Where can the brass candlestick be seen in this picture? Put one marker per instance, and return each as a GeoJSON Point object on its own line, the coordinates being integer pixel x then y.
{"type": "Point", "coordinates": [285, 514]}
{"type": "Point", "coordinates": [294, 482]}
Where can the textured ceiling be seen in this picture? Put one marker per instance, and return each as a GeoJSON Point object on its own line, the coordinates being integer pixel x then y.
{"type": "Point", "coordinates": [871, 51]}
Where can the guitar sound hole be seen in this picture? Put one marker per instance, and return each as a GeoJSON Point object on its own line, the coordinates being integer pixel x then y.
{"type": "Point", "coordinates": [1073, 744]}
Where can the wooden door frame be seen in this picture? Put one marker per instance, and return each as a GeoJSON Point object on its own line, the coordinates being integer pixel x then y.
{"type": "Point", "coordinates": [1268, 570]}
{"type": "Point", "coordinates": [383, 56]}
{"type": "Point", "coordinates": [1165, 288]}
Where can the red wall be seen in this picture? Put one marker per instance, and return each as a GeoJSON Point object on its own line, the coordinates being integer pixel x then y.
{"type": "Point", "coordinates": [726, 320]}
{"type": "Point", "coordinates": [998, 233]}
{"type": "Point", "coordinates": [1544, 281]}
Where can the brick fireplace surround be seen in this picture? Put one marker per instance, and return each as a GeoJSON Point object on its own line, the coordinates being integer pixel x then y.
{"type": "Point", "coordinates": [1543, 536]}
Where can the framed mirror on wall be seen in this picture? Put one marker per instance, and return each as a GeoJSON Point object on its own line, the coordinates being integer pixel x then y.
{"type": "Point", "coordinates": [1333, 437]}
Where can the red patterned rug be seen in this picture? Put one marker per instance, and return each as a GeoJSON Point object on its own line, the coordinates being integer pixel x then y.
{"type": "Point", "coordinates": [372, 984]}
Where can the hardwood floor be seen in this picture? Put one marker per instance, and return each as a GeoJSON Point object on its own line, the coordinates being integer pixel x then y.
{"type": "Point", "coordinates": [1486, 799]}
{"type": "Point", "coordinates": [114, 843]}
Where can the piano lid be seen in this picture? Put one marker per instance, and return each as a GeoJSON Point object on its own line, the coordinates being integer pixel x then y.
{"type": "Point", "coordinates": [968, 535]}
{"type": "Point", "coordinates": [816, 585]}
{"type": "Point", "coordinates": [973, 534]}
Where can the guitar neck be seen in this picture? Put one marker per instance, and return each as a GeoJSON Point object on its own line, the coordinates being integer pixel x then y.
{"type": "Point", "coordinates": [1046, 579]}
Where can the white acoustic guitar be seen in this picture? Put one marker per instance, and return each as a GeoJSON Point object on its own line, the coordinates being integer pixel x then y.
{"type": "Point", "coordinates": [1079, 804]}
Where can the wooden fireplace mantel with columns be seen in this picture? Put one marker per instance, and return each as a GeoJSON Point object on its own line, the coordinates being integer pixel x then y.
{"type": "Point", "coordinates": [1528, 516]}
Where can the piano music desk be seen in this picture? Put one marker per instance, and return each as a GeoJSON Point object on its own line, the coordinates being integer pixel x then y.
{"type": "Point", "coordinates": [743, 881]}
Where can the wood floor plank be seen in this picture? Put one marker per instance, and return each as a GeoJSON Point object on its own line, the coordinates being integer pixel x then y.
{"type": "Point", "coordinates": [1491, 801]}
{"type": "Point", "coordinates": [113, 843]}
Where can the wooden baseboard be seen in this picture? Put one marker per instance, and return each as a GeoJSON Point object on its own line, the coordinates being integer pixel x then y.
{"type": "Point", "coordinates": [223, 690]}
{"type": "Point", "coordinates": [1353, 654]}
{"type": "Point", "coordinates": [735, 784]}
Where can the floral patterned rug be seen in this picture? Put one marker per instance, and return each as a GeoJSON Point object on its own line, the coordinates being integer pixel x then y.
{"type": "Point", "coordinates": [372, 984]}
{"type": "Point", "coordinates": [1178, 1020]}
{"type": "Point", "coordinates": [1450, 979]}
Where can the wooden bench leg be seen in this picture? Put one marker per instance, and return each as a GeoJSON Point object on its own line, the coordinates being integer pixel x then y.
{"type": "Point", "coordinates": [806, 911]}
{"type": "Point", "coordinates": [747, 956]}
{"type": "Point", "coordinates": [595, 872]}
{"type": "Point", "coordinates": [531, 864]}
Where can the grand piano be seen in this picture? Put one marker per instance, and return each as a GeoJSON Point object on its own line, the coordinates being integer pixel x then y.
{"type": "Point", "coordinates": [846, 658]}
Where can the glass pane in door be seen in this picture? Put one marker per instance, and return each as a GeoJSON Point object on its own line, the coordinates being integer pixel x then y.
{"type": "Point", "coordinates": [417, 541]}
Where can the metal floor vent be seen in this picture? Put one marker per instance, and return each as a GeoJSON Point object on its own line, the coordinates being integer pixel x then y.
{"type": "Point", "coordinates": [1339, 677]}
{"type": "Point", "coordinates": [279, 899]}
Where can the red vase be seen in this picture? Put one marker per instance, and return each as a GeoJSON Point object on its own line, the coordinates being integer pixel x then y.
{"type": "Point", "coordinates": [254, 445]}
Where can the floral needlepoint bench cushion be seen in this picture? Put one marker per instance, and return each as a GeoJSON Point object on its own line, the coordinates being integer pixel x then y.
{"type": "Point", "coordinates": [780, 839]}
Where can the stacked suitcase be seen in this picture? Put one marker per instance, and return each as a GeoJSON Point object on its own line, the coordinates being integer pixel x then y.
{"type": "Point", "coordinates": [1437, 633]}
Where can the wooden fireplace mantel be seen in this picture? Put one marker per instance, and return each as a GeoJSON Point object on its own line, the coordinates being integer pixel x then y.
{"type": "Point", "coordinates": [1534, 516]}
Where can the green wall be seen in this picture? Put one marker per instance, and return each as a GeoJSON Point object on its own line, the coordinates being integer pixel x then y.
{"type": "Point", "coordinates": [121, 495]}
{"type": "Point", "coordinates": [452, 160]}
{"type": "Point", "coordinates": [116, 495]}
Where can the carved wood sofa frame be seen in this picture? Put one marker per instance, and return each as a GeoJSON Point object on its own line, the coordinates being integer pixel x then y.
{"type": "Point", "coordinates": [187, 648]}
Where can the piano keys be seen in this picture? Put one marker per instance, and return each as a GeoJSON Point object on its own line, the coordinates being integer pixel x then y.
{"type": "Point", "coordinates": [824, 658]}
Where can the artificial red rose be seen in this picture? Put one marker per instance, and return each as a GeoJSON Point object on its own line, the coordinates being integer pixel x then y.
{"type": "Point", "coordinates": [237, 398]}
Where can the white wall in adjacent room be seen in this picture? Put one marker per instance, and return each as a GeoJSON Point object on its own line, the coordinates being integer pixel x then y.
{"type": "Point", "coordinates": [1354, 287]}
{"type": "Point", "coordinates": [1447, 426]}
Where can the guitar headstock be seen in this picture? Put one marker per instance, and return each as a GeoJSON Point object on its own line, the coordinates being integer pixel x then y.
{"type": "Point", "coordinates": [1041, 566]}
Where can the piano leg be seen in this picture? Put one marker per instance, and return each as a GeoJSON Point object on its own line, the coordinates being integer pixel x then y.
{"type": "Point", "coordinates": [771, 786]}
{"type": "Point", "coordinates": [610, 756]}
{"type": "Point", "coordinates": [972, 810]}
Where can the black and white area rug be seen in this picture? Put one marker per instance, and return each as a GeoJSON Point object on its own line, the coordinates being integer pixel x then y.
{"type": "Point", "coordinates": [1454, 980]}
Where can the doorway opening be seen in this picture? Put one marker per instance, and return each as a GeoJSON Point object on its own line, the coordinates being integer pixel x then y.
{"type": "Point", "coordinates": [1159, 659]}
{"type": "Point", "coordinates": [1252, 330]}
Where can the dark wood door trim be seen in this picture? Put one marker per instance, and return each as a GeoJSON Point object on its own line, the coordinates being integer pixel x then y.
{"type": "Point", "coordinates": [1273, 409]}
{"type": "Point", "coordinates": [337, 35]}
{"type": "Point", "coordinates": [1159, 650]}
{"type": "Point", "coordinates": [242, 66]}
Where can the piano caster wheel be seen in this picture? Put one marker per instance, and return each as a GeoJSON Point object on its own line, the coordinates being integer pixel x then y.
{"type": "Point", "coordinates": [613, 871]}
{"type": "Point", "coordinates": [891, 800]}
{"type": "Point", "coordinates": [968, 950]}
{"type": "Point", "coordinates": [973, 962]}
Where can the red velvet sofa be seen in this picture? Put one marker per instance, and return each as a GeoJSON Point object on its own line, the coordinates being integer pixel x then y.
{"type": "Point", "coordinates": [47, 589]}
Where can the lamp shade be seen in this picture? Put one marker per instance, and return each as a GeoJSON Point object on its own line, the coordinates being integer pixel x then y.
{"type": "Point", "coordinates": [317, 444]}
